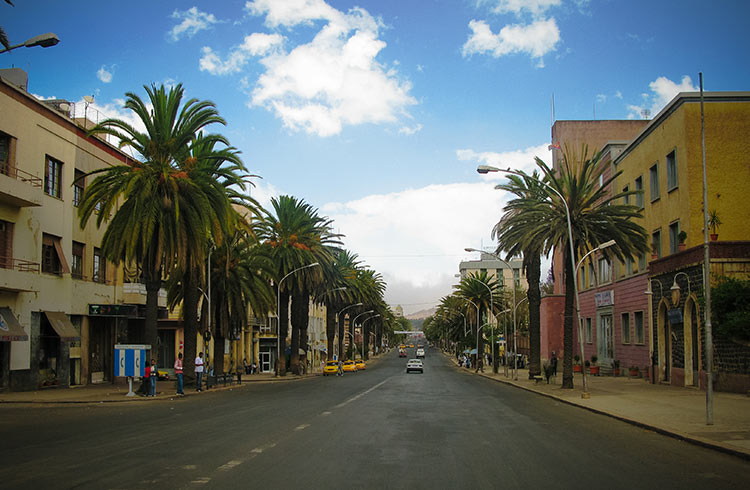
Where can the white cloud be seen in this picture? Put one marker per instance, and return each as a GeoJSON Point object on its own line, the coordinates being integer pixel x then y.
{"type": "Point", "coordinates": [105, 74]}
{"type": "Point", "coordinates": [410, 131]}
{"type": "Point", "coordinates": [663, 90]}
{"type": "Point", "coordinates": [601, 98]}
{"type": "Point", "coordinates": [518, 7]}
{"type": "Point", "coordinates": [618, 94]}
{"type": "Point", "coordinates": [535, 39]}
{"type": "Point", "coordinates": [516, 159]}
{"type": "Point", "coordinates": [193, 21]}
{"type": "Point", "coordinates": [330, 82]}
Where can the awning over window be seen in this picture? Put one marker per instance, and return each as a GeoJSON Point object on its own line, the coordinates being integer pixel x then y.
{"type": "Point", "coordinates": [10, 329]}
{"type": "Point", "coordinates": [61, 323]}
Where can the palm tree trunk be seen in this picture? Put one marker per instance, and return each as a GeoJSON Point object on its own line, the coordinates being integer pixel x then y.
{"type": "Point", "coordinates": [533, 276]}
{"type": "Point", "coordinates": [341, 336]}
{"type": "Point", "coordinates": [567, 381]}
{"type": "Point", "coordinates": [283, 331]}
{"type": "Point", "coordinates": [218, 361]}
{"type": "Point", "coordinates": [365, 342]}
{"type": "Point", "coordinates": [190, 326]}
{"type": "Point", "coordinates": [330, 329]}
{"type": "Point", "coordinates": [300, 316]}
{"type": "Point", "coordinates": [150, 335]}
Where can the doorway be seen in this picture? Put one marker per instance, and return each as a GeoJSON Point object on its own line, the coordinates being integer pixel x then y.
{"type": "Point", "coordinates": [606, 340]}
{"type": "Point", "coordinates": [265, 361]}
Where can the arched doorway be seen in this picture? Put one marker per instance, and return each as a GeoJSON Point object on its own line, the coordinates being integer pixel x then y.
{"type": "Point", "coordinates": [664, 333]}
{"type": "Point", "coordinates": [691, 327]}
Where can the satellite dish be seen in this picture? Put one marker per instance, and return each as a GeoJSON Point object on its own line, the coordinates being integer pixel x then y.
{"type": "Point", "coordinates": [64, 107]}
{"type": "Point", "coordinates": [88, 99]}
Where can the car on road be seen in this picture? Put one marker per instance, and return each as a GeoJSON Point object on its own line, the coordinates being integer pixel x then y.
{"type": "Point", "coordinates": [349, 366]}
{"type": "Point", "coordinates": [402, 353]}
{"type": "Point", "coordinates": [420, 353]}
{"type": "Point", "coordinates": [414, 365]}
{"type": "Point", "coordinates": [361, 366]}
{"type": "Point", "coordinates": [331, 367]}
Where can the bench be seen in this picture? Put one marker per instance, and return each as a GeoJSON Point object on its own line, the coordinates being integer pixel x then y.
{"type": "Point", "coordinates": [221, 378]}
{"type": "Point", "coordinates": [537, 378]}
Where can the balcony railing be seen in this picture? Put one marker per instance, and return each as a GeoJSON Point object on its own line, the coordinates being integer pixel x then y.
{"type": "Point", "coordinates": [18, 174]}
{"type": "Point", "coordinates": [20, 265]}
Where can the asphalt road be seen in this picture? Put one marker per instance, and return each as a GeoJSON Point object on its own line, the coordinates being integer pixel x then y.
{"type": "Point", "coordinates": [381, 428]}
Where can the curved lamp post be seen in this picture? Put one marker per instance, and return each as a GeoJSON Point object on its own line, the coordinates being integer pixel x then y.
{"type": "Point", "coordinates": [363, 330]}
{"type": "Point", "coordinates": [337, 322]}
{"type": "Point", "coordinates": [351, 325]}
{"type": "Point", "coordinates": [278, 314]}
{"type": "Point", "coordinates": [43, 40]}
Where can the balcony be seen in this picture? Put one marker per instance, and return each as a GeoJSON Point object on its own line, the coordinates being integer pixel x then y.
{"type": "Point", "coordinates": [134, 293]}
{"type": "Point", "coordinates": [19, 188]}
{"type": "Point", "coordinates": [18, 275]}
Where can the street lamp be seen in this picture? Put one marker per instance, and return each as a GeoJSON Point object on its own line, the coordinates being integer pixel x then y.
{"type": "Point", "coordinates": [513, 290]}
{"type": "Point", "coordinates": [650, 293]}
{"type": "Point", "coordinates": [578, 307]}
{"type": "Point", "coordinates": [351, 326]}
{"type": "Point", "coordinates": [484, 169]}
{"type": "Point", "coordinates": [43, 40]}
{"type": "Point", "coordinates": [278, 315]}
{"type": "Point", "coordinates": [338, 328]}
{"type": "Point", "coordinates": [478, 327]}
{"type": "Point", "coordinates": [363, 330]}
{"type": "Point", "coordinates": [493, 327]}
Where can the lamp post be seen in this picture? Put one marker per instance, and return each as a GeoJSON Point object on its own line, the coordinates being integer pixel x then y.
{"type": "Point", "coordinates": [513, 290]}
{"type": "Point", "coordinates": [363, 330]}
{"type": "Point", "coordinates": [43, 40]}
{"type": "Point", "coordinates": [278, 315]}
{"type": "Point", "coordinates": [650, 293]}
{"type": "Point", "coordinates": [338, 327]}
{"type": "Point", "coordinates": [488, 318]}
{"type": "Point", "coordinates": [478, 327]}
{"type": "Point", "coordinates": [351, 326]}
{"type": "Point", "coordinates": [484, 169]}
{"type": "Point", "coordinates": [578, 308]}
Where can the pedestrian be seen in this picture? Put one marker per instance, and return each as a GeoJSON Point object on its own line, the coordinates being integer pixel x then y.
{"type": "Point", "coordinates": [178, 373]}
{"type": "Point", "coordinates": [146, 381]}
{"type": "Point", "coordinates": [199, 372]}
{"type": "Point", "coordinates": [340, 369]}
{"type": "Point", "coordinates": [246, 366]}
{"type": "Point", "coordinates": [553, 364]}
{"type": "Point", "coordinates": [253, 368]}
{"type": "Point", "coordinates": [153, 375]}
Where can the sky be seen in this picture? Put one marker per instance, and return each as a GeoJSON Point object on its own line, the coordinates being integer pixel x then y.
{"type": "Point", "coordinates": [377, 112]}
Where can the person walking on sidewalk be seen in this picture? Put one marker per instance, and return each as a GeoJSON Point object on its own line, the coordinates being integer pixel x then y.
{"type": "Point", "coordinates": [199, 372]}
{"type": "Point", "coordinates": [146, 381]}
{"type": "Point", "coordinates": [154, 375]}
{"type": "Point", "coordinates": [178, 373]}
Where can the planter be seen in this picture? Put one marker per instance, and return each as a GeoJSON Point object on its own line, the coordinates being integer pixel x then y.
{"type": "Point", "coordinates": [577, 368]}
{"type": "Point", "coordinates": [681, 247]}
{"type": "Point", "coordinates": [634, 373]}
{"type": "Point", "coordinates": [714, 236]}
{"type": "Point", "coordinates": [594, 370]}
{"type": "Point", "coordinates": [617, 371]}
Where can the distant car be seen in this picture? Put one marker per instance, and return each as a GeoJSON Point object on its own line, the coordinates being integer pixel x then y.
{"type": "Point", "coordinates": [331, 367]}
{"type": "Point", "coordinates": [411, 346]}
{"type": "Point", "coordinates": [360, 364]}
{"type": "Point", "coordinates": [163, 375]}
{"type": "Point", "coordinates": [420, 352]}
{"type": "Point", "coordinates": [414, 365]}
{"type": "Point", "coordinates": [401, 353]}
{"type": "Point", "coordinates": [349, 366]}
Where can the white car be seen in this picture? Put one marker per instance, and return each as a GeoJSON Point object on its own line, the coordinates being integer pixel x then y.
{"type": "Point", "coordinates": [414, 365]}
{"type": "Point", "coordinates": [420, 353]}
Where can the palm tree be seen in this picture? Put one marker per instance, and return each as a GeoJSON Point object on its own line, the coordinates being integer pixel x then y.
{"type": "Point", "coordinates": [336, 291]}
{"type": "Point", "coordinates": [159, 211]}
{"type": "Point", "coordinates": [296, 236]}
{"type": "Point", "coordinates": [597, 216]}
{"type": "Point", "coordinates": [482, 290]}
{"type": "Point", "coordinates": [509, 232]}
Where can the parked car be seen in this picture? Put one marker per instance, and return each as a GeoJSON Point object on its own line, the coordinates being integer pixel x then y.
{"type": "Point", "coordinates": [163, 375]}
{"type": "Point", "coordinates": [331, 367]}
{"type": "Point", "coordinates": [414, 365]}
{"type": "Point", "coordinates": [360, 364]}
{"type": "Point", "coordinates": [349, 366]}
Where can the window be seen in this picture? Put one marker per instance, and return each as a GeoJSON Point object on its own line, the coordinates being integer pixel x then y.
{"type": "Point", "coordinates": [654, 176]}
{"type": "Point", "coordinates": [52, 177]}
{"type": "Point", "coordinates": [674, 231]}
{"type": "Point", "coordinates": [625, 190]}
{"type": "Point", "coordinates": [628, 266]}
{"type": "Point", "coordinates": [642, 262]}
{"type": "Point", "coordinates": [78, 185]}
{"type": "Point", "coordinates": [517, 277]}
{"type": "Point", "coordinates": [76, 269]}
{"type": "Point", "coordinates": [605, 270]}
{"type": "Point", "coordinates": [639, 190]}
{"type": "Point", "coordinates": [638, 321]}
{"type": "Point", "coordinates": [100, 266]}
{"type": "Point", "coordinates": [625, 323]}
{"type": "Point", "coordinates": [671, 171]}
{"type": "Point", "coordinates": [592, 276]}
{"type": "Point", "coordinates": [589, 334]}
{"type": "Point", "coordinates": [656, 244]}
{"type": "Point", "coordinates": [7, 144]}
{"type": "Point", "coordinates": [6, 244]}
{"type": "Point", "coordinates": [53, 259]}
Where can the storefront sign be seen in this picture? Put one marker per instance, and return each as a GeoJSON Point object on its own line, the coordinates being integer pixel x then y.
{"type": "Point", "coordinates": [130, 311]}
{"type": "Point", "coordinates": [604, 298]}
{"type": "Point", "coordinates": [674, 315]}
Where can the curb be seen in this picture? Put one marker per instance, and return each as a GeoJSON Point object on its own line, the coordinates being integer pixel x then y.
{"type": "Point", "coordinates": [705, 443]}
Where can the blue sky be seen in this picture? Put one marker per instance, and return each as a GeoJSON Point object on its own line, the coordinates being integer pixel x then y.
{"type": "Point", "coordinates": [378, 111]}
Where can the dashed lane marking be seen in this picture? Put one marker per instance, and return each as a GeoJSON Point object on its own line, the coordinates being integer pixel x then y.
{"type": "Point", "coordinates": [201, 481]}
{"type": "Point", "coordinates": [302, 427]}
{"type": "Point", "coordinates": [228, 466]}
{"type": "Point", "coordinates": [326, 413]}
{"type": "Point", "coordinates": [343, 404]}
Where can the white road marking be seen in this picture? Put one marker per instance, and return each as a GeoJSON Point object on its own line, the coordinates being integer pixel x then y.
{"type": "Point", "coordinates": [326, 413]}
{"type": "Point", "coordinates": [189, 467]}
{"type": "Point", "coordinates": [229, 465]}
{"type": "Point", "coordinates": [201, 481]}
{"type": "Point", "coordinates": [361, 394]}
{"type": "Point", "coordinates": [301, 427]}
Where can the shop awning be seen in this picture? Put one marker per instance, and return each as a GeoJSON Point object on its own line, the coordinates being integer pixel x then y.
{"type": "Point", "coordinates": [10, 329]}
{"type": "Point", "coordinates": [61, 323]}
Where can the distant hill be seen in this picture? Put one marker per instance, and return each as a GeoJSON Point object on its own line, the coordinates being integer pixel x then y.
{"type": "Point", "coordinates": [421, 315]}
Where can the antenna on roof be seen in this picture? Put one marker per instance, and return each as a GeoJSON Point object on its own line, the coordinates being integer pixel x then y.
{"type": "Point", "coordinates": [645, 113]}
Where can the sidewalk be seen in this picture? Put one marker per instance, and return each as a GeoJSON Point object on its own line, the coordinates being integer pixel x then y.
{"type": "Point", "coordinates": [673, 411]}
{"type": "Point", "coordinates": [116, 393]}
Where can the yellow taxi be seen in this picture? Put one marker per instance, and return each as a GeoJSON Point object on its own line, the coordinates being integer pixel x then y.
{"type": "Point", "coordinates": [360, 364]}
{"type": "Point", "coordinates": [411, 346]}
{"type": "Point", "coordinates": [349, 366]}
{"type": "Point", "coordinates": [331, 367]}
